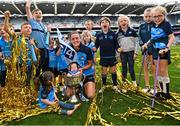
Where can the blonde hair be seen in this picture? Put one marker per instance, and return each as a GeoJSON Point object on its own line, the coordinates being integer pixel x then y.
{"type": "Point", "coordinates": [35, 10]}
{"type": "Point", "coordinates": [161, 9]}
{"type": "Point", "coordinates": [124, 16]}
{"type": "Point", "coordinates": [89, 21]}
{"type": "Point", "coordinates": [25, 23]}
{"type": "Point", "coordinates": [147, 10]}
{"type": "Point", "coordinates": [86, 32]}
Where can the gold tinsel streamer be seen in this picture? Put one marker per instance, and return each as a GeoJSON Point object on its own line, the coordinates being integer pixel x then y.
{"type": "Point", "coordinates": [16, 97]}
{"type": "Point", "coordinates": [148, 112]}
{"type": "Point", "coordinates": [95, 115]}
{"type": "Point", "coordinates": [21, 108]}
{"type": "Point", "coordinates": [19, 114]}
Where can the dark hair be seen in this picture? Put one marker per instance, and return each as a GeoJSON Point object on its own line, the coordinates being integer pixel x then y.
{"type": "Point", "coordinates": [74, 32]}
{"type": "Point", "coordinates": [70, 64]}
{"type": "Point", "coordinates": [103, 19]}
{"type": "Point", "coordinates": [47, 78]}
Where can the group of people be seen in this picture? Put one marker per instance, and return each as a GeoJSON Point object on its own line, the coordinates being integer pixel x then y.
{"type": "Point", "coordinates": [155, 37]}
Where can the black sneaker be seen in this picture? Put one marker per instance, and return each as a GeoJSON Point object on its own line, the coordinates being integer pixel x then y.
{"type": "Point", "coordinates": [158, 94]}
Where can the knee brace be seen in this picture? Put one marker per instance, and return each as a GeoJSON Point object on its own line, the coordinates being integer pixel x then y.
{"type": "Point", "coordinates": [166, 82]}
{"type": "Point", "coordinates": [160, 83]}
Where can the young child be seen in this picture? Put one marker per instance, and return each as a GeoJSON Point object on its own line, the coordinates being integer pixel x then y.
{"type": "Point", "coordinates": [25, 34]}
{"type": "Point", "coordinates": [5, 54]}
{"type": "Point", "coordinates": [108, 45]}
{"type": "Point", "coordinates": [127, 39]}
{"type": "Point", "coordinates": [87, 41]}
{"type": "Point", "coordinates": [161, 33]}
{"type": "Point", "coordinates": [47, 96]}
{"type": "Point", "coordinates": [74, 69]}
{"type": "Point", "coordinates": [24, 47]}
{"type": "Point", "coordinates": [62, 66]}
{"type": "Point", "coordinates": [89, 25]}
{"type": "Point", "coordinates": [52, 57]}
{"type": "Point", "coordinates": [145, 36]}
{"type": "Point", "coordinates": [5, 50]}
{"type": "Point", "coordinates": [39, 33]}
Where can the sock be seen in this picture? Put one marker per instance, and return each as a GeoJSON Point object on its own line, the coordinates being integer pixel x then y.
{"type": "Point", "coordinates": [104, 77]}
{"type": "Point", "coordinates": [134, 82]}
{"type": "Point", "coordinates": [166, 82]}
{"type": "Point", "coordinates": [114, 78]}
{"type": "Point", "coordinates": [160, 83]}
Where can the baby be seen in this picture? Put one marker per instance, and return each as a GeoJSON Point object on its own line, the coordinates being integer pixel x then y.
{"type": "Point", "coordinates": [74, 69]}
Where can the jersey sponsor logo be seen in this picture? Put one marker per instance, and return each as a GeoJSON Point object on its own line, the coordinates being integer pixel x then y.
{"type": "Point", "coordinates": [101, 38]}
{"type": "Point", "coordinates": [110, 37]}
{"type": "Point", "coordinates": [157, 33]}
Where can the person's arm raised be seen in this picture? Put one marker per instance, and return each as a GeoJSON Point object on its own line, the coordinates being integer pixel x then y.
{"type": "Point", "coordinates": [28, 10]}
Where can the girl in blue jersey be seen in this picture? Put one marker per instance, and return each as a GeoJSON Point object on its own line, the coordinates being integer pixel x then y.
{"type": "Point", "coordinates": [89, 27]}
{"type": "Point", "coordinates": [87, 41]}
{"type": "Point", "coordinates": [52, 62]}
{"type": "Point", "coordinates": [47, 96]}
{"type": "Point", "coordinates": [62, 66]}
{"type": "Point", "coordinates": [145, 36]}
{"type": "Point", "coordinates": [161, 34]}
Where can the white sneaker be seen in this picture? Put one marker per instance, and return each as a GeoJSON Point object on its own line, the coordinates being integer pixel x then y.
{"type": "Point", "coordinates": [115, 88]}
{"type": "Point", "coordinates": [82, 97]}
{"type": "Point", "coordinates": [124, 91]}
{"type": "Point", "coordinates": [134, 83]}
{"type": "Point", "coordinates": [73, 99]}
{"type": "Point", "coordinates": [152, 91]}
{"type": "Point", "coordinates": [146, 90]}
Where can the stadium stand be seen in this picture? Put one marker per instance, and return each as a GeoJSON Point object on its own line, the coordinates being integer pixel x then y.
{"type": "Point", "coordinates": [71, 15]}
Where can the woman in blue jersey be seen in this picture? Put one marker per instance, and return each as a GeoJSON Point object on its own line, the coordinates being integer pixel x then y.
{"type": "Point", "coordinates": [161, 34]}
{"type": "Point", "coordinates": [47, 96]}
{"type": "Point", "coordinates": [84, 59]}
